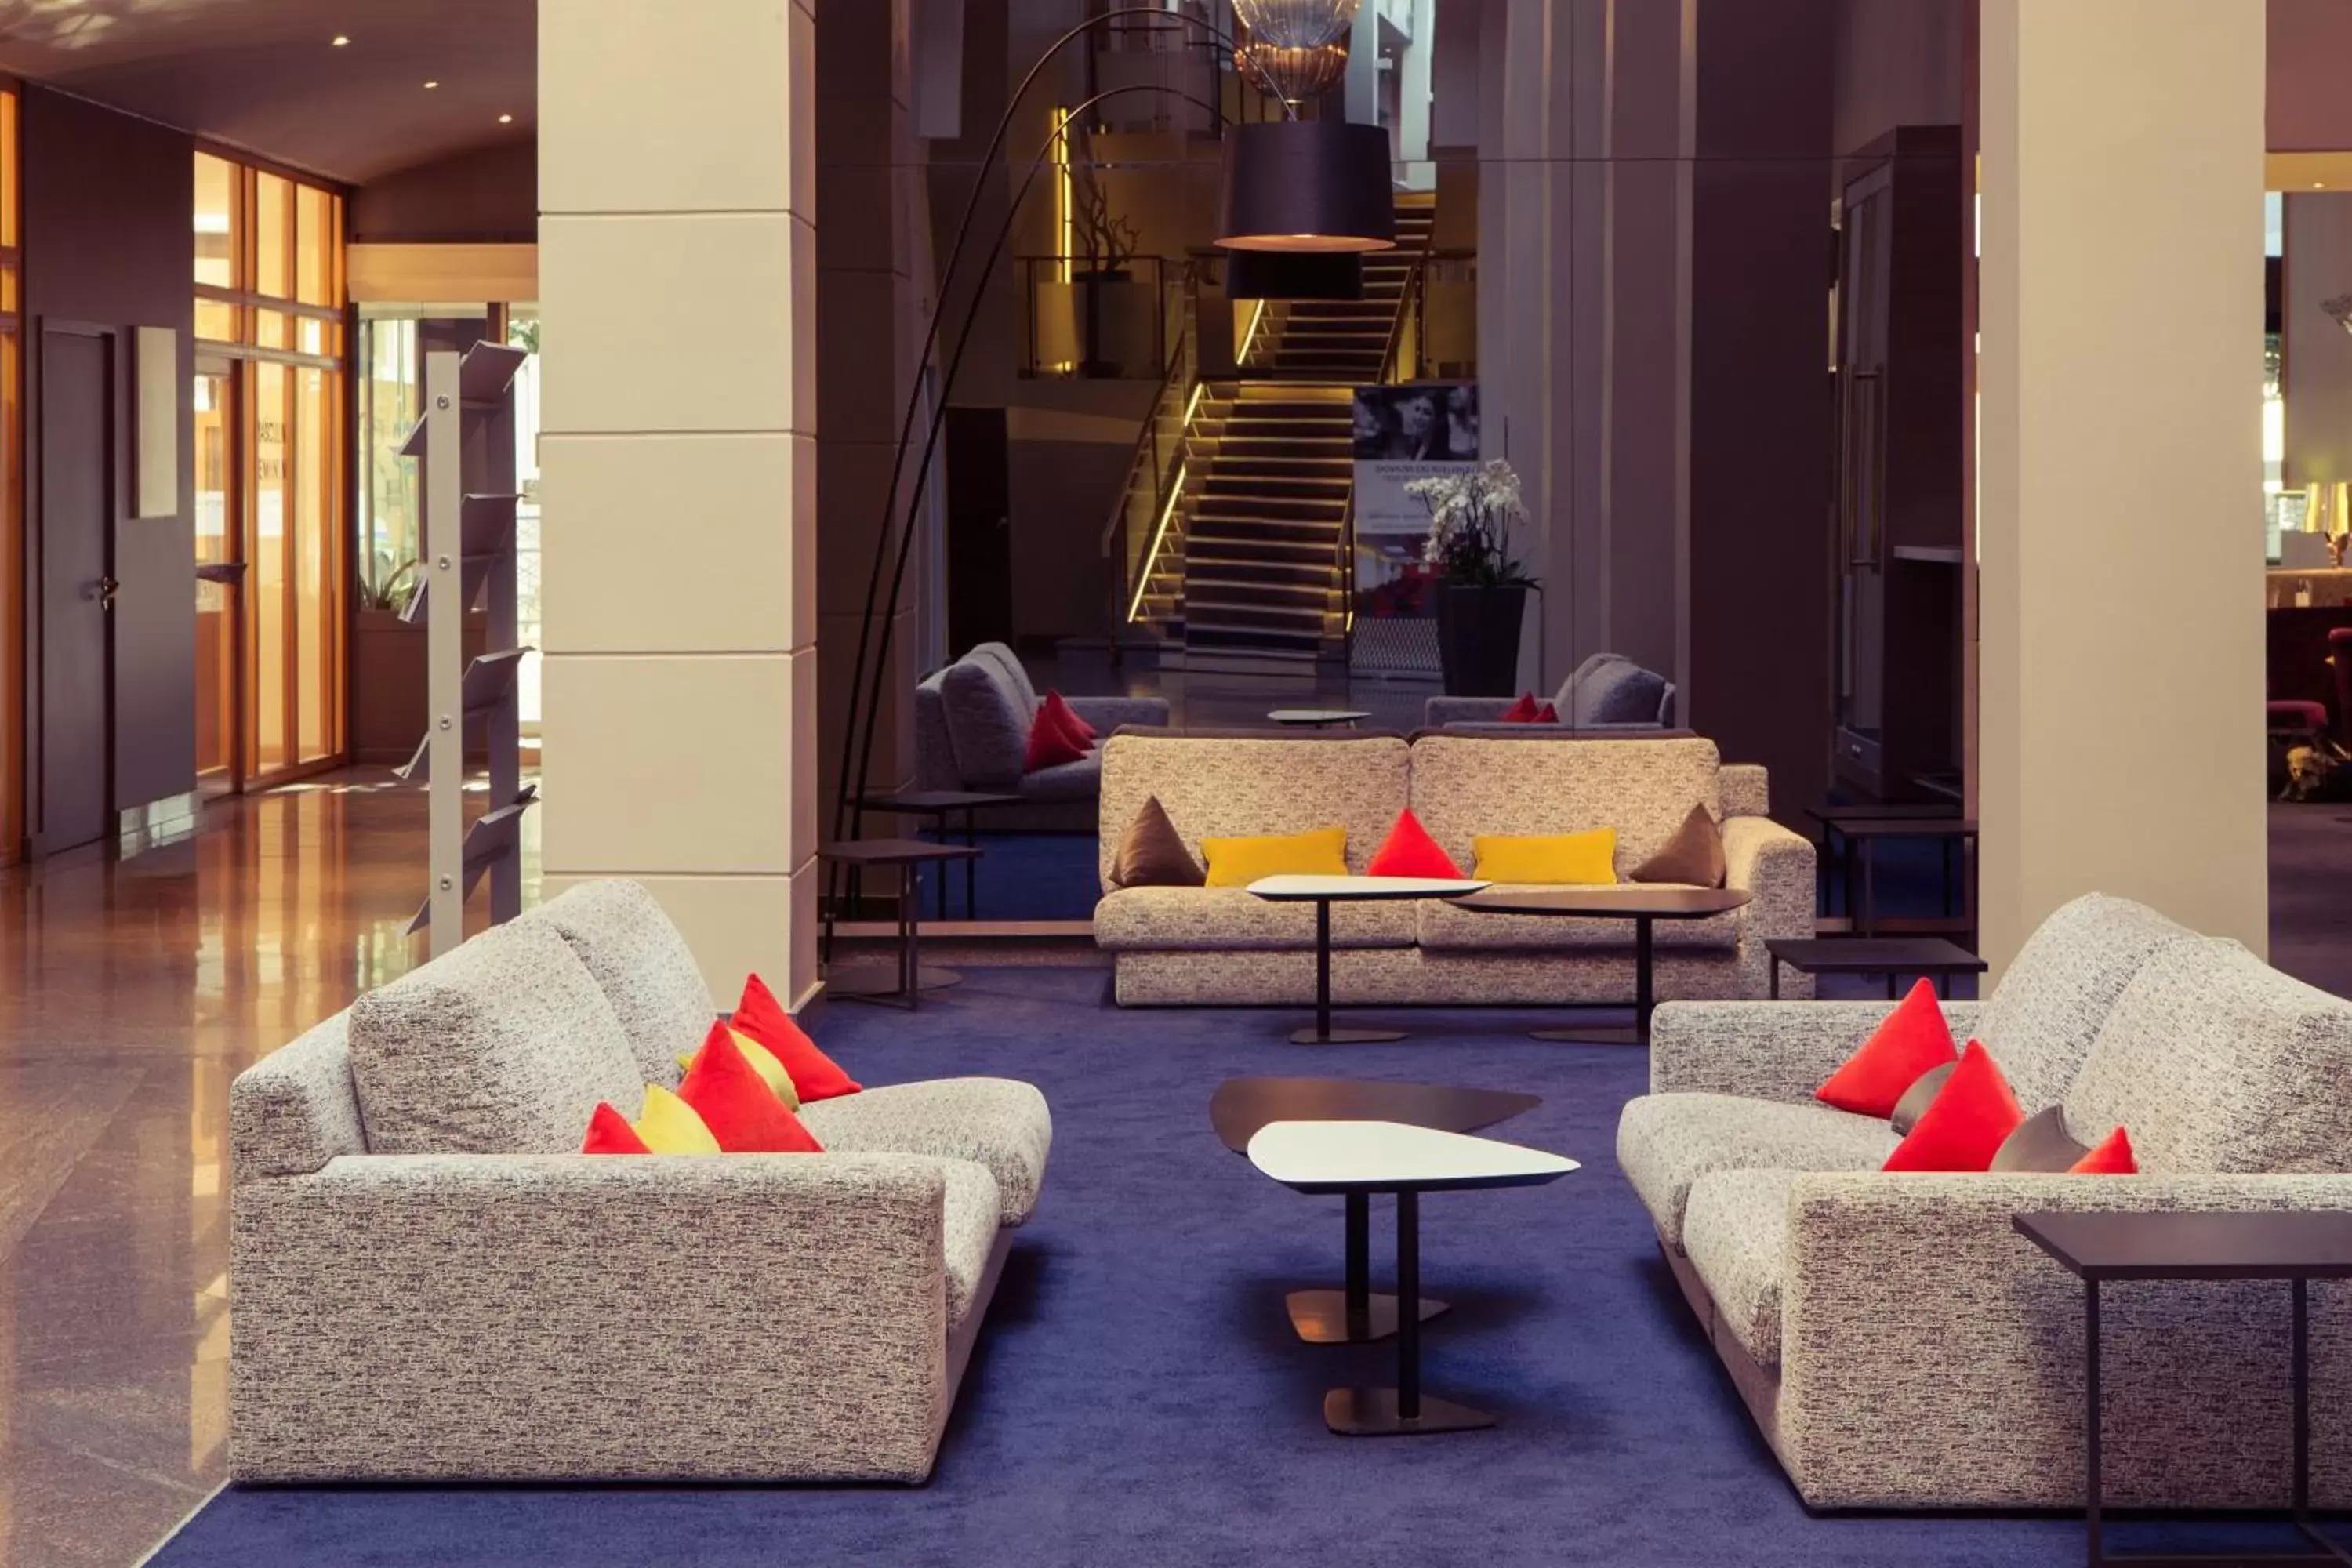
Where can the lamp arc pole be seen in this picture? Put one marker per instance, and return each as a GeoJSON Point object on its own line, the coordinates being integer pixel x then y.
{"type": "Point", "coordinates": [846, 810]}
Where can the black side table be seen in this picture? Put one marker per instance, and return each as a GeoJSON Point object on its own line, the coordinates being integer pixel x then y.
{"type": "Point", "coordinates": [1893, 956]}
{"type": "Point", "coordinates": [2295, 1246]}
{"type": "Point", "coordinates": [941, 806]}
{"type": "Point", "coordinates": [907, 855]}
{"type": "Point", "coordinates": [1621, 901]}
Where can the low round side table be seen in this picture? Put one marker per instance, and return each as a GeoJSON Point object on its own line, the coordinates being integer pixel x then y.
{"type": "Point", "coordinates": [904, 985]}
{"type": "Point", "coordinates": [1643, 906]}
{"type": "Point", "coordinates": [1323, 893]}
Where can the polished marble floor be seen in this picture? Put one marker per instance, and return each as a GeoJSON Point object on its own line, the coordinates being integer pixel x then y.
{"type": "Point", "coordinates": [132, 991]}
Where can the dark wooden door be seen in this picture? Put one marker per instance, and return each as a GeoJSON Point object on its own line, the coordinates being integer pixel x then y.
{"type": "Point", "coordinates": [979, 532]}
{"type": "Point", "coordinates": [77, 547]}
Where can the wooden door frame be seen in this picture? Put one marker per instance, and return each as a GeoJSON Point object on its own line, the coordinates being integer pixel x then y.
{"type": "Point", "coordinates": [229, 372]}
{"type": "Point", "coordinates": [36, 405]}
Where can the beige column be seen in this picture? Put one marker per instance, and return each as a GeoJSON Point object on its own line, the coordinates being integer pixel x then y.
{"type": "Point", "coordinates": [2120, 740]}
{"type": "Point", "coordinates": [677, 290]}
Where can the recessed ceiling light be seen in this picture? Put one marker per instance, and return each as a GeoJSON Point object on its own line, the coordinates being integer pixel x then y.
{"type": "Point", "coordinates": [505, 120]}
{"type": "Point", "coordinates": [431, 85]}
{"type": "Point", "coordinates": [340, 41]}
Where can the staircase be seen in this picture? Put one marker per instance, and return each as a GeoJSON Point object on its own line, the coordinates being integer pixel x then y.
{"type": "Point", "coordinates": [1253, 573]}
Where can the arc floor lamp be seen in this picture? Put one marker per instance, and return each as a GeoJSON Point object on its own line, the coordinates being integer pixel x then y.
{"type": "Point", "coordinates": [1289, 187]}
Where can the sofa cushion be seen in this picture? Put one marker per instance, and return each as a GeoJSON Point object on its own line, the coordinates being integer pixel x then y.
{"type": "Point", "coordinates": [1223, 786]}
{"type": "Point", "coordinates": [996, 1122]}
{"type": "Point", "coordinates": [642, 964]}
{"type": "Point", "coordinates": [1966, 1124]}
{"type": "Point", "coordinates": [1443, 924]}
{"type": "Point", "coordinates": [2040, 1021]}
{"type": "Point", "coordinates": [1909, 1044]}
{"type": "Point", "coordinates": [1464, 785]}
{"type": "Point", "coordinates": [2219, 1063]}
{"type": "Point", "coordinates": [1735, 1228]}
{"type": "Point", "coordinates": [1209, 919]}
{"type": "Point", "coordinates": [1080, 780]}
{"type": "Point", "coordinates": [1618, 691]}
{"type": "Point", "coordinates": [502, 1046]}
{"type": "Point", "coordinates": [988, 724]}
{"type": "Point", "coordinates": [1017, 674]}
{"type": "Point", "coordinates": [1666, 1141]}
{"type": "Point", "coordinates": [968, 1229]}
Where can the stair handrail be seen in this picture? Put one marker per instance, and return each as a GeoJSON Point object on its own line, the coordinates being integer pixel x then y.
{"type": "Point", "coordinates": [1408, 306]}
{"type": "Point", "coordinates": [1153, 470]}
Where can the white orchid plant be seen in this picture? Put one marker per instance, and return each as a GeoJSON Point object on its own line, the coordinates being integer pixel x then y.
{"type": "Point", "coordinates": [1470, 520]}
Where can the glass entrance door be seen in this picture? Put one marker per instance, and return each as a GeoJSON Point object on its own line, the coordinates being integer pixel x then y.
{"type": "Point", "coordinates": [220, 583]}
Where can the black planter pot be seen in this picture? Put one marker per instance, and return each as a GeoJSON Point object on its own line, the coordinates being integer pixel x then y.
{"type": "Point", "coordinates": [1478, 638]}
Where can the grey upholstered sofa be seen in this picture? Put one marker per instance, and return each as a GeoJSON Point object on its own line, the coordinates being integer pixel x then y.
{"type": "Point", "coordinates": [1606, 692]}
{"type": "Point", "coordinates": [1900, 1346]}
{"type": "Point", "coordinates": [427, 1283]}
{"type": "Point", "coordinates": [971, 732]}
{"type": "Point", "coordinates": [1184, 946]}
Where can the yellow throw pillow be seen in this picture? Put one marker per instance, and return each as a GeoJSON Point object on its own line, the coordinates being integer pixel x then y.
{"type": "Point", "coordinates": [763, 1062]}
{"type": "Point", "coordinates": [1238, 862]}
{"type": "Point", "coordinates": [670, 1125]}
{"type": "Point", "coordinates": [1574, 860]}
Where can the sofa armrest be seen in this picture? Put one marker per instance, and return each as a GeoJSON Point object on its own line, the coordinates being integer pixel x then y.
{"type": "Point", "coordinates": [426, 1316]}
{"type": "Point", "coordinates": [1439, 711]}
{"type": "Point", "coordinates": [1884, 1276]}
{"type": "Point", "coordinates": [1777, 867]}
{"type": "Point", "coordinates": [1766, 1050]}
{"type": "Point", "coordinates": [1107, 714]}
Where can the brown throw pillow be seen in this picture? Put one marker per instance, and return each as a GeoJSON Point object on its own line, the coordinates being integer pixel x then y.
{"type": "Point", "coordinates": [1693, 856]}
{"type": "Point", "coordinates": [1152, 853]}
{"type": "Point", "coordinates": [1918, 1098]}
{"type": "Point", "coordinates": [2042, 1145]}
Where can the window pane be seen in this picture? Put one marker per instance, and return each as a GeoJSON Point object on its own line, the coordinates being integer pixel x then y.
{"type": "Point", "coordinates": [216, 603]}
{"type": "Point", "coordinates": [271, 574]}
{"type": "Point", "coordinates": [215, 221]}
{"type": "Point", "coordinates": [390, 402]}
{"type": "Point", "coordinates": [273, 228]}
{"type": "Point", "coordinates": [313, 336]}
{"type": "Point", "coordinates": [271, 331]}
{"type": "Point", "coordinates": [315, 253]}
{"type": "Point", "coordinates": [218, 322]}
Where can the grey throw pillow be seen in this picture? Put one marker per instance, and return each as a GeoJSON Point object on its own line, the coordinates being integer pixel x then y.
{"type": "Point", "coordinates": [1918, 1098]}
{"type": "Point", "coordinates": [987, 728]}
{"type": "Point", "coordinates": [2040, 1144]}
{"type": "Point", "coordinates": [1621, 692]}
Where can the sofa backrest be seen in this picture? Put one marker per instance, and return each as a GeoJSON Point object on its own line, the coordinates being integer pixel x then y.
{"type": "Point", "coordinates": [1610, 688]}
{"type": "Point", "coordinates": [1465, 785]}
{"type": "Point", "coordinates": [639, 960]}
{"type": "Point", "coordinates": [2055, 994]}
{"type": "Point", "coordinates": [1242, 786]}
{"type": "Point", "coordinates": [2215, 1062]}
{"type": "Point", "coordinates": [502, 1046]}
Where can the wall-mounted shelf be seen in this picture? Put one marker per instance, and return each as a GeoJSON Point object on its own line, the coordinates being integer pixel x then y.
{"type": "Point", "coordinates": [467, 443]}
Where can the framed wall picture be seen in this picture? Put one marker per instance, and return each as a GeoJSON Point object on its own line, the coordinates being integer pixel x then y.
{"type": "Point", "coordinates": [155, 456]}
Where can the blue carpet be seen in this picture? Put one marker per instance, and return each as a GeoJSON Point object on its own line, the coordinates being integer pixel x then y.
{"type": "Point", "coordinates": [1138, 1397]}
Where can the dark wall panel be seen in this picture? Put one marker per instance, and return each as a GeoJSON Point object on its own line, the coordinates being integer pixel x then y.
{"type": "Point", "coordinates": [489, 196]}
{"type": "Point", "coordinates": [108, 242]}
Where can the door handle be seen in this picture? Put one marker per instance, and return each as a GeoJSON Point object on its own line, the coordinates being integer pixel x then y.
{"type": "Point", "coordinates": [107, 588]}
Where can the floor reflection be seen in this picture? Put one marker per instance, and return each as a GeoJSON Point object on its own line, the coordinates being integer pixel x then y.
{"type": "Point", "coordinates": [131, 992]}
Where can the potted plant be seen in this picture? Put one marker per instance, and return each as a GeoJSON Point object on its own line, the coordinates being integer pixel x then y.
{"type": "Point", "coordinates": [1481, 590]}
{"type": "Point", "coordinates": [1106, 242]}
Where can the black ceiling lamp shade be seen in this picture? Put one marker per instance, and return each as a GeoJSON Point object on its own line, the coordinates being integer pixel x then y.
{"type": "Point", "coordinates": [1307, 186]}
{"type": "Point", "coordinates": [1294, 275]}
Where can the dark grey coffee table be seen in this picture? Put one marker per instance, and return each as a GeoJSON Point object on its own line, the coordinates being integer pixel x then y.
{"type": "Point", "coordinates": [1643, 906]}
{"type": "Point", "coordinates": [1356, 1314]}
{"type": "Point", "coordinates": [1892, 956]}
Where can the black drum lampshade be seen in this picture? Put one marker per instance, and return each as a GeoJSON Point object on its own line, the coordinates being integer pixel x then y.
{"type": "Point", "coordinates": [1307, 186]}
{"type": "Point", "coordinates": [1294, 275]}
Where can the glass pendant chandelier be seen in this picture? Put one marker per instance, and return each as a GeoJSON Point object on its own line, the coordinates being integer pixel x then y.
{"type": "Point", "coordinates": [1296, 48]}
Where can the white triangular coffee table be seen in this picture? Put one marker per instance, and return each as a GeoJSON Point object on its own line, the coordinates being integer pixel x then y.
{"type": "Point", "coordinates": [1363, 1157]}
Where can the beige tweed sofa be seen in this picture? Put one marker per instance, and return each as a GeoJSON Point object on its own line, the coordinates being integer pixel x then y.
{"type": "Point", "coordinates": [1899, 1343]}
{"type": "Point", "coordinates": [428, 1282]}
{"type": "Point", "coordinates": [1181, 946]}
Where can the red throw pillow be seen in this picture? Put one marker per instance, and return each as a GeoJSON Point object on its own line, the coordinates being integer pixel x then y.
{"type": "Point", "coordinates": [814, 1074]}
{"type": "Point", "coordinates": [609, 1133]}
{"type": "Point", "coordinates": [1065, 716]}
{"type": "Point", "coordinates": [1911, 1041]}
{"type": "Point", "coordinates": [1547, 714]}
{"type": "Point", "coordinates": [742, 1112]}
{"type": "Point", "coordinates": [1963, 1130]}
{"type": "Point", "coordinates": [2113, 1157]}
{"type": "Point", "coordinates": [1410, 851]}
{"type": "Point", "coordinates": [1523, 711]}
{"type": "Point", "coordinates": [1050, 745]}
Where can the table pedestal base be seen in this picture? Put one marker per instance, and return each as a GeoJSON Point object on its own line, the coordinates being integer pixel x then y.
{"type": "Point", "coordinates": [878, 982]}
{"type": "Point", "coordinates": [1598, 1034]}
{"type": "Point", "coordinates": [1325, 1037]}
{"type": "Point", "coordinates": [1374, 1413]}
{"type": "Point", "coordinates": [1320, 1317]}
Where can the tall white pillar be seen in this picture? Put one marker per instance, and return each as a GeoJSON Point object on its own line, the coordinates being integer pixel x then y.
{"type": "Point", "coordinates": [2120, 744]}
{"type": "Point", "coordinates": [676, 276]}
